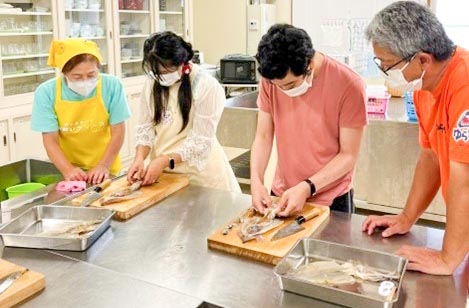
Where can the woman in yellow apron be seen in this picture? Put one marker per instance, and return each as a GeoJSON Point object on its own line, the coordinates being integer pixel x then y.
{"type": "Point", "coordinates": [81, 113]}
{"type": "Point", "coordinates": [180, 109]}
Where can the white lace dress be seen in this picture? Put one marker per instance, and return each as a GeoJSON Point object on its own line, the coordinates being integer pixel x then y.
{"type": "Point", "coordinates": [203, 157]}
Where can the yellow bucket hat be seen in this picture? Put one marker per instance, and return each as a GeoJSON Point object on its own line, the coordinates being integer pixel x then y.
{"type": "Point", "coordinates": [63, 50]}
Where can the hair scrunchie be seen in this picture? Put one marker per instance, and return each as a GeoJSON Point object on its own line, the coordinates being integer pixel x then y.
{"type": "Point", "coordinates": [186, 69]}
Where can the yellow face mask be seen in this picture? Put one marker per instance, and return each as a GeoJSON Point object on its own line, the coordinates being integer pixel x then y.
{"type": "Point", "coordinates": [61, 51]}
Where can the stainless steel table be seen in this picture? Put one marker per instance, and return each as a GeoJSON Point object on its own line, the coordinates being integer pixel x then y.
{"type": "Point", "coordinates": [162, 254]}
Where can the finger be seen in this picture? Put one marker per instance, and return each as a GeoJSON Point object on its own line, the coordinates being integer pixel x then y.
{"type": "Point", "coordinates": [390, 231]}
{"type": "Point", "coordinates": [366, 223]}
{"type": "Point", "coordinates": [288, 209]}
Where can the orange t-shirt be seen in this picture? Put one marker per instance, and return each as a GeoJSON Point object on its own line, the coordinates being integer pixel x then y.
{"type": "Point", "coordinates": [444, 115]}
{"type": "Point", "coordinates": [307, 126]}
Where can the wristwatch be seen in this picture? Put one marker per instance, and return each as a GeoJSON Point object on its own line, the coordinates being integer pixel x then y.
{"type": "Point", "coordinates": [311, 186]}
{"type": "Point", "coordinates": [171, 162]}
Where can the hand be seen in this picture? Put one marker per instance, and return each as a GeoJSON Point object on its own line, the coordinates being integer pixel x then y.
{"type": "Point", "coordinates": [136, 171]}
{"type": "Point", "coordinates": [260, 198]}
{"type": "Point", "coordinates": [394, 224]}
{"type": "Point", "coordinates": [75, 174]}
{"type": "Point", "coordinates": [154, 170]}
{"type": "Point", "coordinates": [425, 260]}
{"type": "Point", "coordinates": [98, 174]}
{"type": "Point", "coordinates": [293, 199]}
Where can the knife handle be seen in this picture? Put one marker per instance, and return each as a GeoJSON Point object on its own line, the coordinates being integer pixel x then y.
{"type": "Point", "coordinates": [105, 184]}
{"type": "Point", "coordinates": [307, 216]}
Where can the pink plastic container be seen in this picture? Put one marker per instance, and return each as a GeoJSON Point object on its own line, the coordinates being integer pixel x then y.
{"type": "Point", "coordinates": [377, 103]}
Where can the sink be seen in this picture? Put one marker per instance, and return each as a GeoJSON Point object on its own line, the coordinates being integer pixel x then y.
{"type": "Point", "coordinates": [24, 171]}
{"type": "Point", "coordinates": [244, 101]}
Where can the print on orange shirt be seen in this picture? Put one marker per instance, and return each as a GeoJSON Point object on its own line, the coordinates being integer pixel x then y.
{"type": "Point", "coordinates": [461, 131]}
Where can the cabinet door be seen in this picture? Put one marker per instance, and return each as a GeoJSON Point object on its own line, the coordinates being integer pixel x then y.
{"type": "Point", "coordinates": [26, 31]}
{"type": "Point", "coordinates": [26, 142]}
{"type": "Point", "coordinates": [132, 25]}
{"type": "Point", "coordinates": [173, 16]}
{"type": "Point", "coordinates": [4, 143]}
{"type": "Point", "coordinates": [90, 20]}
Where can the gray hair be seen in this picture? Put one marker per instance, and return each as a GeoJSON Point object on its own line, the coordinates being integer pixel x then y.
{"type": "Point", "coordinates": [406, 27]}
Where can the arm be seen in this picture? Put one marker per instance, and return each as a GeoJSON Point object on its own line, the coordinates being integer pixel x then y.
{"type": "Point", "coordinates": [57, 156]}
{"type": "Point", "coordinates": [101, 171]}
{"type": "Point", "coordinates": [425, 185]}
{"type": "Point", "coordinates": [293, 199]}
{"type": "Point", "coordinates": [455, 242]}
{"type": "Point", "coordinates": [260, 153]}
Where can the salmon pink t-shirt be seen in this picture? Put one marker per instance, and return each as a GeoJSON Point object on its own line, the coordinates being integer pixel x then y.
{"type": "Point", "coordinates": [307, 126]}
{"type": "Point", "coordinates": [444, 116]}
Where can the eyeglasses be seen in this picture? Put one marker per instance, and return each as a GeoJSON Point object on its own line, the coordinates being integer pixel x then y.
{"type": "Point", "coordinates": [385, 71]}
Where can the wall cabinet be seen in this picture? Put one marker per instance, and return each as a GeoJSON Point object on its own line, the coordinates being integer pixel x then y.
{"type": "Point", "coordinates": [119, 27]}
{"type": "Point", "coordinates": [4, 142]}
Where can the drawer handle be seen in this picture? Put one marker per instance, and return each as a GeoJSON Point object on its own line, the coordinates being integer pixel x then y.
{"type": "Point", "coordinates": [14, 137]}
{"type": "Point", "coordinates": [4, 140]}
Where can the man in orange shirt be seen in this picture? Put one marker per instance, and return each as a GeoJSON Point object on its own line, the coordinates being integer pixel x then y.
{"type": "Point", "coordinates": [315, 106]}
{"type": "Point", "coordinates": [414, 53]}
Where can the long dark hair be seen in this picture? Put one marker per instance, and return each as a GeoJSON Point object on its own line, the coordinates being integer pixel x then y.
{"type": "Point", "coordinates": [166, 49]}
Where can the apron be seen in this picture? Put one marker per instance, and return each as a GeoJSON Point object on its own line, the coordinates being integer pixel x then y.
{"type": "Point", "coordinates": [84, 130]}
{"type": "Point", "coordinates": [217, 173]}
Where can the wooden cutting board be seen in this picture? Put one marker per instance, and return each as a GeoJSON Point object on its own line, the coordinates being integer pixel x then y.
{"type": "Point", "coordinates": [265, 250]}
{"type": "Point", "coordinates": [24, 287]}
{"type": "Point", "coordinates": [167, 184]}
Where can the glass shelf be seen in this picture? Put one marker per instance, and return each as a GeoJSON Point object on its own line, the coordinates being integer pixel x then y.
{"type": "Point", "coordinates": [9, 34]}
{"type": "Point", "coordinates": [25, 56]}
{"type": "Point", "coordinates": [9, 76]}
{"type": "Point", "coordinates": [134, 27]}
{"type": "Point", "coordinates": [172, 16]}
{"type": "Point", "coordinates": [28, 13]}
{"type": "Point", "coordinates": [134, 11]}
{"type": "Point", "coordinates": [25, 38]}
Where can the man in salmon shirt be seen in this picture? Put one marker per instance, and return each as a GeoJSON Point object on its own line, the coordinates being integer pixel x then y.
{"type": "Point", "coordinates": [315, 107]}
{"type": "Point", "coordinates": [414, 53]}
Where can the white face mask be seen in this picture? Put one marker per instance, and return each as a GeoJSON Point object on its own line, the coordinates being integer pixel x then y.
{"type": "Point", "coordinates": [396, 80]}
{"type": "Point", "coordinates": [301, 89]}
{"type": "Point", "coordinates": [83, 87]}
{"type": "Point", "coordinates": [167, 80]}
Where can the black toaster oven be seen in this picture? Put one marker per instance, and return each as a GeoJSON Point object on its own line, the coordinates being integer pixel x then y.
{"type": "Point", "coordinates": [238, 69]}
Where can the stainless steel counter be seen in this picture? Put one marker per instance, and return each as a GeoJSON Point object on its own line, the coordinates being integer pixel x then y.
{"type": "Point", "coordinates": [161, 255]}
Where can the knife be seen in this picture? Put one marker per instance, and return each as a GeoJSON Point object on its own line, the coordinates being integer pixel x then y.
{"type": "Point", "coordinates": [6, 282]}
{"type": "Point", "coordinates": [296, 225]}
{"type": "Point", "coordinates": [95, 194]}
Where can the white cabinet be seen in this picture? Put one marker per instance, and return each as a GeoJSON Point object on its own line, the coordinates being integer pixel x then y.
{"type": "Point", "coordinates": [26, 30]}
{"type": "Point", "coordinates": [175, 16]}
{"type": "Point", "coordinates": [4, 142]}
{"type": "Point", "coordinates": [26, 143]}
{"type": "Point", "coordinates": [128, 148]}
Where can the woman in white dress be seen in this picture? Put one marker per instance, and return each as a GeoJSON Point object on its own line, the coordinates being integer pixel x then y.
{"type": "Point", "coordinates": [181, 106]}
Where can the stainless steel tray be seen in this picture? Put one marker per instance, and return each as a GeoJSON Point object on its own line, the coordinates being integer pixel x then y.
{"type": "Point", "coordinates": [308, 250]}
{"type": "Point", "coordinates": [25, 230]}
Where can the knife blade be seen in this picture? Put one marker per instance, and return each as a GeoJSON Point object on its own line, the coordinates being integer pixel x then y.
{"type": "Point", "coordinates": [296, 225]}
{"type": "Point", "coordinates": [7, 281]}
{"type": "Point", "coordinates": [96, 193]}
